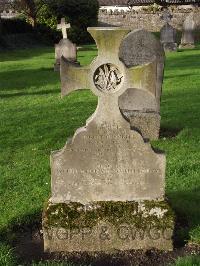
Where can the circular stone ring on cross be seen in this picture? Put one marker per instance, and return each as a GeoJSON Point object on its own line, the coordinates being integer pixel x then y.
{"type": "Point", "coordinates": [108, 78]}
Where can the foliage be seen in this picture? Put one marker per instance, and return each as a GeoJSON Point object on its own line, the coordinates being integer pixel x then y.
{"type": "Point", "coordinates": [46, 17]}
{"type": "Point", "coordinates": [17, 33]}
{"type": "Point", "coordinates": [47, 24]}
{"type": "Point", "coordinates": [81, 14]}
{"type": "Point", "coordinates": [29, 8]}
{"type": "Point", "coordinates": [15, 25]}
{"type": "Point", "coordinates": [187, 261]}
{"type": "Point", "coordinates": [22, 41]}
{"type": "Point", "coordinates": [152, 8]}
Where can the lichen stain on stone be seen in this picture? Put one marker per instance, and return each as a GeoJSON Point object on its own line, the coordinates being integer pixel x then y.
{"type": "Point", "coordinates": [140, 214]}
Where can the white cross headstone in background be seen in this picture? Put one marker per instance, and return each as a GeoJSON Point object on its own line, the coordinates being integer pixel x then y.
{"type": "Point", "coordinates": [63, 26]}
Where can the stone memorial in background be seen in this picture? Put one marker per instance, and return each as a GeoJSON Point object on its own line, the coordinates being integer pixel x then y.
{"type": "Point", "coordinates": [65, 47]}
{"type": "Point", "coordinates": [168, 33]}
{"type": "Point", "coordinates": [168, 38]}
{"type": "Point", "coordinates": [187, 40]}
{"type": "Point", "coordinates": [166, 15]}
{"type": "Point", "coordinates": [108, 184]}
{"type": "Point", "coordinates": [141, 104]}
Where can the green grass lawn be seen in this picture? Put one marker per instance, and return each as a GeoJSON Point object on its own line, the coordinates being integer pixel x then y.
{"type": "Point", "coordinates": [35, 120]}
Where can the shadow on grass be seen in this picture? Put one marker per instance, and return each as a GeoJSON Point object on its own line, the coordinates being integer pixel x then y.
{"type": "Point", "coordinates": [180, 75]}
{"type": "Point", "coordinates": [16, 55]}
{"type": "Point", "coordinates": [180, 110]}
{"type": "Point", "coordinates": [23, 79]}
{"type": "Point", "coordinates": [190, 61]}
{"type": "Point", "coordinates": [45, 92]}
{"type": "Point", "coordinates": [25, 236]}
{"type": "Point", "coordinates": [169, 132]}
{"type": "Point", "coordinates": [50, 126]}
{"type": "Point", "coordinates": [186, 207]}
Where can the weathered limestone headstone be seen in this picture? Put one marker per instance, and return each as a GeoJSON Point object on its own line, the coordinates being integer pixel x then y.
{"type": "Point", "coordinates": [168, 38]}
{"type": "Point", "coordinates": [139, 105]}
{"type": "Point", "coordinates": [108, 185]}
{"type": "Point", "coordinates": [187, 40]}
{"type": "Point", "coordinates": [65, 47]}
{"type": "Point", "coordinates": [168, 33]}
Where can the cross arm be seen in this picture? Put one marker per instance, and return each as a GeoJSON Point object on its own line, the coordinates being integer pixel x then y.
{"type": "Point", "coordinates": [73, 77]}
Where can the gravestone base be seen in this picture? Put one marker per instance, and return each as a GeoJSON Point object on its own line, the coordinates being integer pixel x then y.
{"type": "Point", "coordinates": [170, 47]}
{"type": "Point", "coordinates": [65, 48]}
{"type": "Point", "coordinates": [108, 226]}
{"type": "Point", "coordinates": [187, 46]}
{"type": "Point", "coordinates": [147, 124]}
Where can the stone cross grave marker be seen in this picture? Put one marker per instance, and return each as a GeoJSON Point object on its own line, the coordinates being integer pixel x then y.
{"type": "Point", "coordinates": [63, 27]}
{"type": "Point", "coordinates": [65, 47]}
{"type": "Point", "coordinates": [187, 40]}
{"type": "Point", "coordinates": [106, 179]}
{"type": "Point", "coordinates": [166, 16]}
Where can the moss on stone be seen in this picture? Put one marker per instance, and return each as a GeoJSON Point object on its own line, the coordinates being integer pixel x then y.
{"type": "Point", "coordinates": [140, 214]}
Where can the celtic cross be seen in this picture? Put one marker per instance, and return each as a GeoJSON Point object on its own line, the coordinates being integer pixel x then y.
{"type": "Point", "coordinates": [107, 76]}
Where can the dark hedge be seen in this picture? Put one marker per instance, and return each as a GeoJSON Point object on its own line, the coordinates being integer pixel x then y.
{"type": "Point", "coordinates": [80, 13]}
{"type": "Point", "coordinates": [14, 26]}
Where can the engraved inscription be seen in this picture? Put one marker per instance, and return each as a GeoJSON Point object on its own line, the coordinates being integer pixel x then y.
{"type": "Point", "coordinates": [107, 78]}
{"type": "Point", "coordinates": [107, 171]}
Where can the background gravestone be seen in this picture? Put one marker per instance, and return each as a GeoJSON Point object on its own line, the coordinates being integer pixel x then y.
{"type": "Point", "coordinates": [168, 38]}
{"type": "Point", "coordinates": [187, 40]}
{"type": "Point", "coordinates": [166, 16]}
{"type": "Point", "coordinates": [108, 185]}
{"type": "Point", "coordinates": [65, 47]}
{"type": "Point", "coordinates": [141, 107]}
